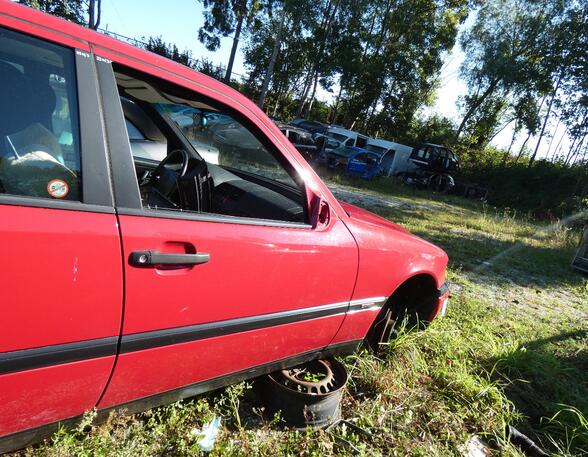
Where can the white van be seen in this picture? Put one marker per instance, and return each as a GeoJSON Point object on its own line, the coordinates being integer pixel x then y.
{"type": "Point", "coordinates": [395, 156]}
{"type": "Point", "coordinates": [346, 137]}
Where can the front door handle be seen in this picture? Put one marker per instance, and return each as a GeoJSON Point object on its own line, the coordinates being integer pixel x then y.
{"type": "Point", "coordinates": [154, 258]}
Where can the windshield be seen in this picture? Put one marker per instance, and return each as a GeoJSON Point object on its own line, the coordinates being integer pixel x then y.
{"type": "Point", "coordinates": [337, 136]}
{"type": "Point", "coordinates": [345, 151]}
{"type": "Point", "coordinates": [221, 140]}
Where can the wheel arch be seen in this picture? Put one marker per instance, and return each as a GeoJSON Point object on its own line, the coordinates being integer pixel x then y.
{"type": "Point", "coordinates": [419, 286]}
{"type": "Point", "coordinates": [415, 300]}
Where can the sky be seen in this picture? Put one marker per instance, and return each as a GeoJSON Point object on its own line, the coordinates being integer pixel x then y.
{"type": "Point", "coordinates": [178, 21]}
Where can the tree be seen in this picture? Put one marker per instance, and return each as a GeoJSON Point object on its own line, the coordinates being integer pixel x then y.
{"type": "Point", "coordinates": [270, 68]}
{"type": "Point", "coordinates": [508, 55]}
{"type": "Point", "coordinates": [94, 13]}
{"type": "Point", "coordinates": [572, 43]}
{"type": "Point", "coordinates": [171, 51]}
{"type": "Point", "coordinates": [79, 11]}
{"type": "Point", "coordinates": [223, 18]}
{"type": "Point", "coordinates": [380, 70]}
{"type": "Point", "coordinates": [290, 66]}
{"type": "Point", "coordinates": [71, 10]}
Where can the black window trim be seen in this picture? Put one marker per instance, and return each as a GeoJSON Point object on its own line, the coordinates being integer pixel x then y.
{"type": "Point", "coordinates": [209, 217]}
{"type": "Point", "coordinates": [126, 192]}
{"type": "Point", "coordinates": [96, 184]}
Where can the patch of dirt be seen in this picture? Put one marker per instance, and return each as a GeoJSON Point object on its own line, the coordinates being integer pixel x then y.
{"type": "Point", "coordinates": [500, 290]}
{"type": "Point", "coordinates": [365, 200]}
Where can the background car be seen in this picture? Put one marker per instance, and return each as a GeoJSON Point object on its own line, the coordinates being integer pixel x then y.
{"type": "Point", "coordinates": [302, 140]}
{"type": "Point", "coordinates": [313, 127]}
{"type": "Point", "coordinates": [364, 164]}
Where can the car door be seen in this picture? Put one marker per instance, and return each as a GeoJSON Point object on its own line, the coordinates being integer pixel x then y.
{"type": "Point", "coordinates": [61, 294]}
{"type": "Point", "coordinates": [259, 292]}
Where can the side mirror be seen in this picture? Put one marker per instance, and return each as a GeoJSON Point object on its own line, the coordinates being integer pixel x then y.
{"type": "Point", "coordinates": [203, 121]}
{"type": "Point", "coordinates": [320, 213]}
{"type": "Point", "coordinates": [199, 120]}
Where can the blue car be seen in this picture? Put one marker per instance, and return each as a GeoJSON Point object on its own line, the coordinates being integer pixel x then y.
{"type": "Point", "coordinates": [357, 161]}
{"type": "Point", "coordinates": [364, 164]}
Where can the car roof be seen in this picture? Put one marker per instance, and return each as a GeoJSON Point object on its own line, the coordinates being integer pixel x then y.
{"type": "Point", "coordinates": [293, 128]}
{"type": "Point", "coordinates": [343, 131]}
{"type": "Point", "coordinates": [436, 145]}
{"type": "Point", "coordinates": [383, 143]}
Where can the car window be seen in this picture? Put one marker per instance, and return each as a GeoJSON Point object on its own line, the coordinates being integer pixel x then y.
{"type": "Point", "coordinates": [212, 159]}
{"type": "Point", "coordinates": [350, 142]}
{"type": "Point", "coordinates": [376, 149]}
{"type": "Point", "coordinates": [294, 137]}
{"type": "Point", "coordinates": [39, 128]}
{"type": "Point", "coordinates": [306, 140]}
{"type": "Point", "coordinates": [337, 136]}
{"type": "Point", "coordinates": [361, 141]}
{"type": "Point", "coordinates": [221, 140]}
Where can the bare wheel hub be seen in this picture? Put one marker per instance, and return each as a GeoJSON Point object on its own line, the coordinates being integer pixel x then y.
{"type": "Point", "coordinates": [316, 377]}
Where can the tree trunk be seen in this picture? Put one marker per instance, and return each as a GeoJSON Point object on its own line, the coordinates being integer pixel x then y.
{"type": "Point", "coordinates": [570, 150]}
{"type": "Point", "coordinates": [94, 13]}
{"type": "Point", "coordinates": [514, 136]}
{"type": "Point", "coordinates": [522, 147]}
{"type": "Point", "coordinates": [555, 152]}
{"type": "Point", "coordinates": [337, 101]}
{"type": "Point", "coordinates": [544, 123]}
{"type": "Point", "coordinates": [313, 92]}
{"type": "Point", "coordinates": [553, 137]}
{"type": "Point", "coordinates": [327, 23]}
{"type": "Point", "coordinates": [234, 49]}
{"type": "Point", "coordinates": [307, 83]}
{"type": "Point", "coordinates": [276, 107]}
{"type": "Point", "coordinates": [476, 104]}
{"type": "Point", "coordinates": [574, 152]}
{"type": "Point", "coordinates": [272, 62]}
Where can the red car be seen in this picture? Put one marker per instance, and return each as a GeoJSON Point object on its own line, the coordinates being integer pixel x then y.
{"type": "Point", "coordinates": [160, 236]}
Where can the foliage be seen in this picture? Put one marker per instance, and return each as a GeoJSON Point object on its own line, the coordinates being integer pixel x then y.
{"type": "Point", "coordinates": [71, 10]}
{"type": "Point", "coordinates": [434, 129]}
{"type": "Point", "coordinates": [207, 67]}
{"type": "Point", "coordinates": [380, 56]}
{"type": "Point", "coordinates": [171, 51]}
{"type": "Point", "coordinates": [525, 61]}
{"type": "Point", "coordinates": [547, 191]}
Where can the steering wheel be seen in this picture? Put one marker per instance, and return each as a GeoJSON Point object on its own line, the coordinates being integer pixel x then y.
{"type": "Point", "coordinates": [163, 183]}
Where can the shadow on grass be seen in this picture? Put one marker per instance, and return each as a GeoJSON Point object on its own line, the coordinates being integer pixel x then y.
{"type": "Point", "coordinates": [542, 380]}
{"type": "Point", "coordinates": [534, 267]}
{"type": "Point", "coordinates": [507, 262]}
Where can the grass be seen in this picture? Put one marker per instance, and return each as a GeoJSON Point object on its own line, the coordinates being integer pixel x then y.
{"type": "Point", "coordinates": [513, 349]}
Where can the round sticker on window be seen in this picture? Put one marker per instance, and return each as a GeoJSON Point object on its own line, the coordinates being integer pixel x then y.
{"type": "Point", "coordinates": [57, 188]}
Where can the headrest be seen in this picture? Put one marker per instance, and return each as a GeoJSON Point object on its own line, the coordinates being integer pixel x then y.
{"type": "Point", "coordinates": [43, 101]}
{"type": "Point", "coordinates": [15, 100]}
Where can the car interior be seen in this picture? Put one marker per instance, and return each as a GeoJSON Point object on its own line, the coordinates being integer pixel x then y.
{"type": "Point", "coordinates": [190, 155]}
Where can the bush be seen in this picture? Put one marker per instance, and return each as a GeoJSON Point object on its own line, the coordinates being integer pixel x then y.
{"type": "Point", "coordinates": [546, 190]}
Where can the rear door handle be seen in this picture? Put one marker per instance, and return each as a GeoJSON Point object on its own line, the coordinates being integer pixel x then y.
{"type": "Point", "coordinates": [154, 258]}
